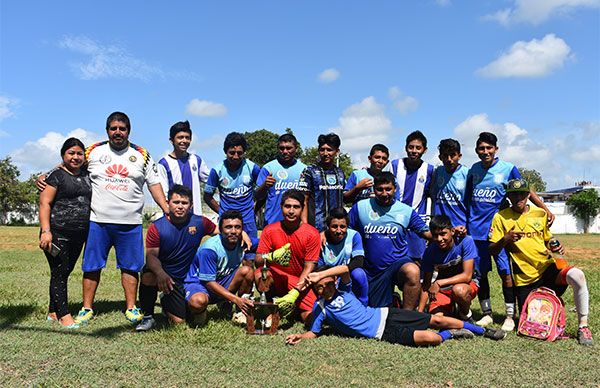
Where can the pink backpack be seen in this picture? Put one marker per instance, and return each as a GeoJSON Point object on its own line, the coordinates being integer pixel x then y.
{"type": "Point", "coordinates": [543, 315]}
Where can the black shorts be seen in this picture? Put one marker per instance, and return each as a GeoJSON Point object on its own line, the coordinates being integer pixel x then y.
{"type": "Point", "coordinates": [174, 302]}
{"type": "Point", "coordinates": [548, 279]}
{"type": "Point", "coordinates": [401, 325]}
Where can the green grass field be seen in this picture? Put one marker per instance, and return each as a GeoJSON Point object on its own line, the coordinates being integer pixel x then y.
{"type": "Point", "coordinates": [107, 352]}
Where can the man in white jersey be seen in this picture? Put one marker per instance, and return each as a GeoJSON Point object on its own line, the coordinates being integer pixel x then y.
{"type": "Point", "coordinates": [180, 167]}
{"type": "Point", "coordinates": [118, 170]}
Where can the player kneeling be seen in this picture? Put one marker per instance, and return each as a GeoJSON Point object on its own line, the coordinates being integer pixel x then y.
{"type": "Point", "coordinates": [348, 316]}
{"type": "Point", "coordinates": [453, 258]}
{"type": "Point", "coordinates": [221, 272]}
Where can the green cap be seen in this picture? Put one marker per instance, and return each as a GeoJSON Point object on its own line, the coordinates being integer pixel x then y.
{"type": "Point", "coordinates": [517, 186]}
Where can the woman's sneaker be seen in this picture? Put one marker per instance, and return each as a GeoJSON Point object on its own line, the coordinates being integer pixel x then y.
{"type": "Point", "coordinates": [584, 336]}
{"type": "Point", "coordinates": [84, 316]}
{"type": "Point", "coordinates": [485, 321]}
{"type": "Point", "coordinates": [508, 325]}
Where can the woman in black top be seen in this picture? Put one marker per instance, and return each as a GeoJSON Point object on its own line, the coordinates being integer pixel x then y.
{"type": "Point", "coordinates": [64, 219]}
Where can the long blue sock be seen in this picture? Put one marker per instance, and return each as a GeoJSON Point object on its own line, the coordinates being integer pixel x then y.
{"type": "Point", "coordinates": [360, 285]}
{"type": "Point", "coordinates": [478, 330]}
{"type": "Point", "coordinates": [446, 335]}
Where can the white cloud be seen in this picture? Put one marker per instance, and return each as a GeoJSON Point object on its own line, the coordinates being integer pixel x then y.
{"type": "Point", "coordinates": [44, 153]}
{"type": "Point", "coordinates": [538, 11]}
{"type": "Point", "coordinates": [536, 58]}
{"type": "Point", "coordinates": [215, 141]}
{"type": "Point", "coordinates": [404, 103]}
{"type": "Point", "coordinates": [329, 75]}
{"type": "Point", "coordinates": [591, 154]}
{"type": "Point", "coordinates": [205, 108]}
{"type": "Point", "coordinates": [3, 134]}
{"type": "Point", "coordinates": [361, 125]}
{"type": "Point", "coordinates": [7, 106]}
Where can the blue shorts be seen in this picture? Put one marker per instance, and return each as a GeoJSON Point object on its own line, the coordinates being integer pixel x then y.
{"type": "Point", "coordinates": [381, 285]}
{"type": "Point", "coordinates": [128, 241]}
{"type": "Point", "coordinates": [484, 261]}
{"type": "Point", "coordinates": [194, 288]}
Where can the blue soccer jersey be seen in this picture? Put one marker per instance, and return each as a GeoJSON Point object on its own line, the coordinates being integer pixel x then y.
{"type": "Point", "coordinates": [287, 178]}
{"type": "Point", "coordinates": [448, 194]}
{"type": "Point", "coordinates": [341, 253]}
{"type": "Point", "coordinates": [348, 315]}
{"type": "Point", "coordinates": [188, 171]}
{"type": "Point", "coordinates": [214, 262]}
{"type": "Point", "coordinates": [177, 243]}
{"type": "Point", "coordinates": [450, 263]}
{"type": "Point", "coordinates": [325, 189]}
{"type": "Point", "coordinates": [484, 194]}
{"type": "Point", "coordinates": [355, 177]}
{"type": "Point", "coordinates": [384, 230]}
{"type": "Point", "coordinates": [236, 190]}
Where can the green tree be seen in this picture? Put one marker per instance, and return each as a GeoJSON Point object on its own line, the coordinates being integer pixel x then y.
{"type": "Point", "coordinates": [534, 178]}
{"type": "Point", "coordinates": [262, 146]}
{"type": "Point", "coordinates": [585, 205]}
{"type": "Point", "coordinates": [310, 155]}
{"type": "Point", "coordinates": [15, 196]}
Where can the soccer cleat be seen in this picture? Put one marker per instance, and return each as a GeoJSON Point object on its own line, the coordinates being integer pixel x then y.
{"type": "Point", "coordinates": [134, 314]}
{"type": "Point", "coordinates": [239, 318]}
{"type": "Point", "coordinates": [146, 324]}
{"type": "Point", "coordinates": [84, 316]}
{"type": "Point", "coordinates": [584, 336]}
{"type": "Point", "coordinates": [280, 256]}
{"type": "Point", "coordinates": [198, 319]}
{"type": "Point", "coordinates": [508, 325]}
{"type": "Point", "coordinates": [286, 303]}
{"type": "Point", "coordinates": [494, 334]}
{"type": "Point", "coordinates": [461, 333]}
{"type": "Point", "coordinates": [485, 321]}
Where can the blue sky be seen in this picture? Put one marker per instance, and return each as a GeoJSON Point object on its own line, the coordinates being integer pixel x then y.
{"type": "Point", "coordinates": [370, 71]}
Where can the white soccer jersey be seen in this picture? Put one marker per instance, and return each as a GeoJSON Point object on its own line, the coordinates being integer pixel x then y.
{"type": "Point", "coordinates": [189, 172]}
{"type": "Point", "coordinates": [118, 179]}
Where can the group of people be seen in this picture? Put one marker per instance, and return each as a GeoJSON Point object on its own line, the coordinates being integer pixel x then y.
{"type": "Point", "coordinates": [317, 261]}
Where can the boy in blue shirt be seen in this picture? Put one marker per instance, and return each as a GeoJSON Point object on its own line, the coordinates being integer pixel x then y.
{"type": "Point", "coordinates": [453, 259]}
{"type": "Point", "coordinates": [348, 316]}
{"type": "Point", "coordinates": [360, 183]}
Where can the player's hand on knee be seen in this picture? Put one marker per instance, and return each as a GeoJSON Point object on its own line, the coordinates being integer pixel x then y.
{"type": "Point", "coordinates": [164, 283]}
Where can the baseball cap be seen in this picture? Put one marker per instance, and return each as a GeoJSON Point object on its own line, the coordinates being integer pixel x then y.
{"type": "Point", "coordinates": [517, 186]}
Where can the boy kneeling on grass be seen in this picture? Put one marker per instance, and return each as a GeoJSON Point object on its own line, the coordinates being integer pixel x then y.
{"type": "Point", "coordinates": [348, 316]}
{"type": "Point", "coordinates": [453, 258]}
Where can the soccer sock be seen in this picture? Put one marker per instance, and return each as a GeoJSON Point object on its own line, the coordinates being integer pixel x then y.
{"type": "Point", "coordinates": [465, 317]}
{"type": "Point", "coordinates": [147, 296]}
{"type": "Point", "coordinates": [581, 295]}
{"type": "Point", "coordinates": [484, 295]}
{"type": "Point", "coordinates": [509, 300]}
{"type": "Point", "coordinates": [446, 335]}
{"type": "Point", "coordinates": [360, 285]}
{"type": "Point", "coordinates": [478, 330]}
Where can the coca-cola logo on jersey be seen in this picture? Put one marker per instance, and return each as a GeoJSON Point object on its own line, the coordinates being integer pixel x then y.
{"type": "Point", "coordinates": [117, 171]}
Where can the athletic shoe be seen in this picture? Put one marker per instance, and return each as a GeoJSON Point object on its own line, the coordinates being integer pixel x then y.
{"type": "Point", "coordinates": [508, 325]}
{"type": "Point", "coordinates": [280, 256]}
{"type": "Point", "coordinates": [239, 318]}
{"type": "Point", "coordinates": [72, 326]}
{"type": "Point", "coordinates": [494, 334]}
{"type": "Point", "coordinates": [462, 333]}
{"type": "Point", "coordinates": [84, 316]}
{"type": "Point", "coordinates": [146, 324]}
{"type": "Point", "coordinates": [485, 321]}
{"type": "Point", "coordinates": [50, 319]}
{"type": "Point", "coordinates": [584, 336]}
{"type": "Point", "coordinates": [134, 315]}
{"type": "Point", "coordinates": [198, 319]}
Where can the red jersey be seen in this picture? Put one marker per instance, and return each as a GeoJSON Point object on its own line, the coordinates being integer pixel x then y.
{"type": "Point", "coordinates": [305, 245]}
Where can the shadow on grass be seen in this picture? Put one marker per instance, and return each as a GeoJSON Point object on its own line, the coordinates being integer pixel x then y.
{"type": "Point", "coordinates": [13, 314]}
{"type": "Point", "coordinates": [106, 332]}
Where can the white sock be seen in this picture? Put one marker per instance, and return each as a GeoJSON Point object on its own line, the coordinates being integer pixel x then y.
{"type": "Point", "coordinates": [581, 295]}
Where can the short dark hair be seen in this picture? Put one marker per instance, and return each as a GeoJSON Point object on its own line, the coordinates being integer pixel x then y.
{"type": "Point", "coordinates": [180, 126]}
{"type": "Point", "coordinates": [230, 215]}
{"type": "Point", "coordinates": [416, 135]}
{"type": "Point", "coordinates": [71, 142]}
{"type": "Point", "coordinates": [234, 139]}
{"type": "Point", "coordinates": [440, 222]}
{"type": "Point", "coordinates": [118, 116]}
{"type": "Point", "coordinates": [384, 178]}
{"type": "Point", "coordinates": [337, 213]}
{"type": "Point", "coordinates": [448, 146]}
{"type": "Point", "coordinates": [379, 147]}
{"type": "Point", "coordinates": [487, 137]}
{"type": "Point", "coordinates": [287, 138]}
{"type": "Point", "coordinates": [181, 190]}
{"type": "Point", "coordinates": [293, 194]}
{"type": "Point", "coordinates": [330, 139]}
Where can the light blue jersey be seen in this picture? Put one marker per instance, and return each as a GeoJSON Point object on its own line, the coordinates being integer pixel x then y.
{"type": "Point", "coordinates": [236, 190]}
{"type": "Point", "coordinates": [355, 177]}
{"type": "Point", "coordinates": [341, 253]}
{"type": "Point", "coordinates": [484, 194]}
{"type": "Point", "coordinates": [214, 262]}
{"type": "Point", "coordinates": [448, 194]}
{"type": "Point", "coordinates": [287, 178]}
{"type": "Point", "coordinates": [384, 230]}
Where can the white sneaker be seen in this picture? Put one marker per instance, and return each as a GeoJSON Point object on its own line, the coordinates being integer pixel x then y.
{"type": "Point", "coordinates": [485, 321]}
{"type": "Point", "coordinates": [508, 325]}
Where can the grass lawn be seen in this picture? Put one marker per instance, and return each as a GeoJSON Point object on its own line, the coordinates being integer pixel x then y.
{"type": "Point", "coordinates": [108, 352]}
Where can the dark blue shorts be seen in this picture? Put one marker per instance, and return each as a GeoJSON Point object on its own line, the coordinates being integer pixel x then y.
{"type": "Point", "coordinates": [128, 241]}
{"type": "Point", "coordinates": [485, 259]}
{"type": "Point", "coordinates": [194, 288]}
{"type": "Point", "coordinates": [381, 285]}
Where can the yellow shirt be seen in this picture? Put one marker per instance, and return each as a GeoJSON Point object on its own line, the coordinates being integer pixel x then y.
{"type": "Point", "coordinates": [529, 256]}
